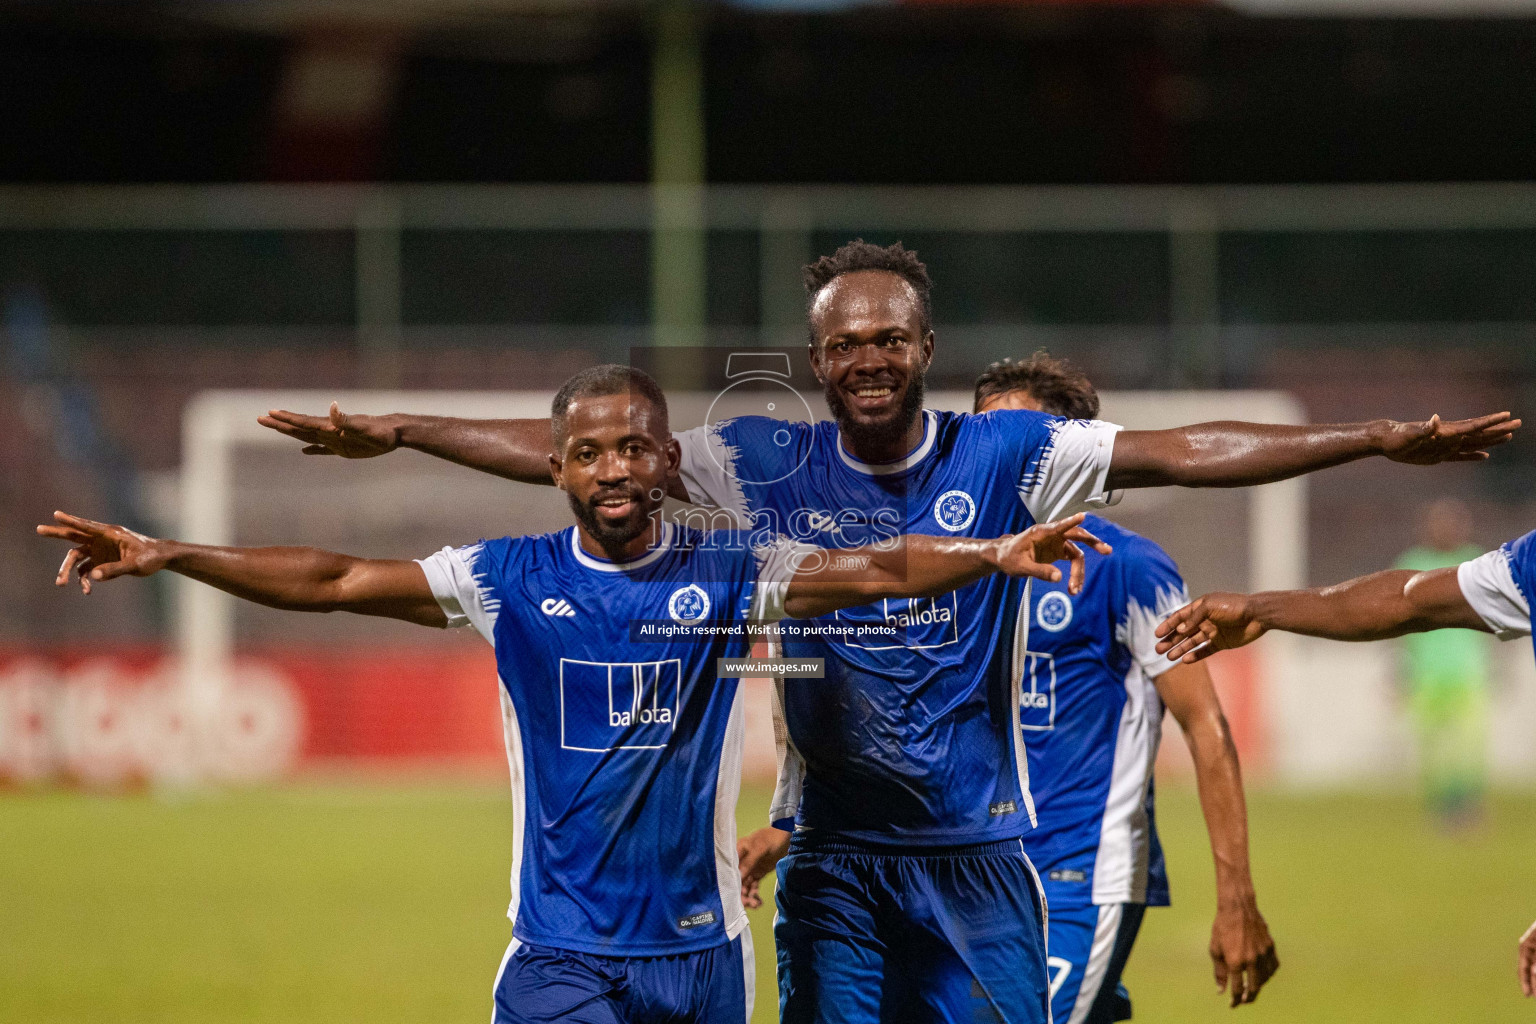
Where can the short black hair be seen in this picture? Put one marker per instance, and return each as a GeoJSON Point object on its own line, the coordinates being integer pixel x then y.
{"type": "Point", "coordinates": [861, 255]}
{"type": "Point", "coordinates": [1060, 388]}
{"type": "Point", "coordinates": [597, 381]}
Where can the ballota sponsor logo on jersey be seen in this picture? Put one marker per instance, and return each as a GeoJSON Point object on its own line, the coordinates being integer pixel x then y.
{"type": "Point", "coordinates": [619, 705]}
{"type": "Point", "coordinates": [918, 612]}
{"type": "Point", "coordinates": [914, 623]}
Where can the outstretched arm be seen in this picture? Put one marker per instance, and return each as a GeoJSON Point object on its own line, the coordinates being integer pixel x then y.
{"type": "Point", "coordinates": [1374, 607]}
{"type": "Point", "coordinates": [1231, 454]}
{"type": "Point", "coordinates": [515, 449]}
{"type": "Point", "coordinates": [1242, 952]}
{"type": "Point", "coordinates": [294, 579]}
{"type": "Point", "coordinates": [921, 566]}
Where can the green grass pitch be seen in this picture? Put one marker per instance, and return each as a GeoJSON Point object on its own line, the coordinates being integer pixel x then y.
{"type": "Point", "coordinates": [339, 902]}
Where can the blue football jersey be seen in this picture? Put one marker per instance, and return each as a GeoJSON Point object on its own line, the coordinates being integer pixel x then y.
{"type": "Point", "coordinates": [1498, 586]}
{"type": "Point", "coordinates": [916, 742]}
{"type": "Point", "coordinates": [625, 755]}
{"type": "Point", "coordinates": [1092, 719]}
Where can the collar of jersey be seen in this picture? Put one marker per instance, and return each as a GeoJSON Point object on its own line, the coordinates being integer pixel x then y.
{"type": "Point", "coordinates": [901, 465]}
{"type": "Point", "coordinates": [608, 565]}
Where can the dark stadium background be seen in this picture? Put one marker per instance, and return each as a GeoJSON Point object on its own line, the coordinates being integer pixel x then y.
{"type": "Point", "coordinates": [351, 904]}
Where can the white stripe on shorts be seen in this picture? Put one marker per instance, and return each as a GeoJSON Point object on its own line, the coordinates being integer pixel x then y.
{"type": "Point", "coordinates": [505, 959]}
{"type": "Point", "coordinates": [1104, 935]}
{"type": "Point", "coordinates": [749, 968]}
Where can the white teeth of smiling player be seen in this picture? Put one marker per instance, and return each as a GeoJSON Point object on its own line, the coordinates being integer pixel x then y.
{"type": "Point", "coordinates": [872, 392]}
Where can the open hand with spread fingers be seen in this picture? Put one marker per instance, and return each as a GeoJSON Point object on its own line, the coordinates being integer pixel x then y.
{"type": "Point", "coordinates": [1031, 552]}
{"type": "Point", "coordinates": [1433, 440]}
{"type": "Point", "coordinates": [1215, 622]}
{"type": "Point", "coordinates": [103, 551]}
{"type": "Point", "coordinates": [337, 433]}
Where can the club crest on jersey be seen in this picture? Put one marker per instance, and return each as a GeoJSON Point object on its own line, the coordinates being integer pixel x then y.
{"type": "Point", "coordinates": [688, 604]}
{"type": "Point", "coordinates": [954, 510]}
{"type": "Point", "coordinates": [1054, 611]}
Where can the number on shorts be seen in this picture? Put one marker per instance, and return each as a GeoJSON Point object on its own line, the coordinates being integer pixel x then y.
{"type": "Point", "coordinates": [1061, 969]}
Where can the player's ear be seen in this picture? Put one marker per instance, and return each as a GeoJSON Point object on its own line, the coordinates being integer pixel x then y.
{"type": "Point", "coordinates": [815, 356]}
{"type": "Point", "coordinates": [674, 456]}
{"type": "Point", "coordinates": [556, 467]}
{"type": "Point", "coordinates": [927, 350]}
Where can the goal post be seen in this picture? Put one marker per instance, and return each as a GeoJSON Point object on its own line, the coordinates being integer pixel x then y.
{"type": "Point", "coordinates": [215, 424]}
{"type": "Point", "coordinates": [242, 483]}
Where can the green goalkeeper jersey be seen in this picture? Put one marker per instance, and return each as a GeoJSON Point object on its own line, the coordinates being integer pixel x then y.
{"type": "Point", "coordinates": [1445, 659]}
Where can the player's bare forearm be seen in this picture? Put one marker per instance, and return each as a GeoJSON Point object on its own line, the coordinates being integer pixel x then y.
{"type": "Point", "coordinates": [1191, 698]}
{"type": "Point", "coordinates": [1375, 607]}
{"type": "Point", "coordinates": [1234, 454]}
{"type": "Point", "coordinates": [311, 580]}
{"type": "Point", "coordinates": [297, 579]}
{"type": "Point", "coordinates": [1242, 952]}
{"type": "Point", "coordinates": [918, 565]}
{"type": "Point", "coordinates": [910, 566]}
{"type": "Point", "coordinates": [1372, 607]}
{"type": "Point", "coordinates": [514, 449]}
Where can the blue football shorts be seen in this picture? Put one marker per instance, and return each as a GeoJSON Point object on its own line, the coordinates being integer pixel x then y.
{"type": "Point", "coordinates": [868, 933]}
{"type": "Point", "coordinates": [539, 984]}
{"type": "Point", "coordinates": [1089, 947]}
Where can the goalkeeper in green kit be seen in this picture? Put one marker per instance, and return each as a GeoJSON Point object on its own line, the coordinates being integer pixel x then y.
{"type": "Point", "coordinates": [1446, 681]}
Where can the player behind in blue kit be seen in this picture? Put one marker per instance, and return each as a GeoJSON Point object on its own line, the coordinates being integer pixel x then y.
{"type": "Point", "coordinates": [1095, 689]}
{"type": "Point", "coordinates": [625, 754]}
{"type": "Point", "coordinates": [1491, 593]}
{"type": "Point", "coordinates": [1093, 693]}
{"type": "Point", "coordinates": [907, 894]}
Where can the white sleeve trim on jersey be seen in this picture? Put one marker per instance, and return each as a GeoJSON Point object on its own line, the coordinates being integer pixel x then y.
{"type": "Point", "coordinates": [727, 792]}
{"type": "Point", "coordinates": [778, 561]}
{"type": "Point", "coordinates": [461, 594]}
{"type": "Point", "coordinates": [1072, 472]}
{"type": "Point", "coordinates": [1489, 587]}
{"type": "Point", "coordinates": [707, 470]}
{"type": "Point", "coordinates": [789, 783]}
{"type": "Point", "coordinates": [1137, 633]}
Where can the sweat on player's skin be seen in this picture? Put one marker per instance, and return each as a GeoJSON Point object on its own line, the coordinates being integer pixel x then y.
{"type": "Point", "coordinates": [1489, 593]}
{"type": "Point", "coordinates": [1096, 651]}
{"type": "Point", "coordinates": [858, 776]}
{"type": "Point", "coordinates": [621, 561]}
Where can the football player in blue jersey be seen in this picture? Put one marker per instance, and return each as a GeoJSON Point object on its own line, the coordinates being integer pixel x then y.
{"type": "Point", "coordinates": [1094, 690]}
{"type": "Point", "coordinates": [1491, 593]}
{"type": "Point", "coordinates": [624, 751]}
{"type": "Point", "coordinates": [906, 894]}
